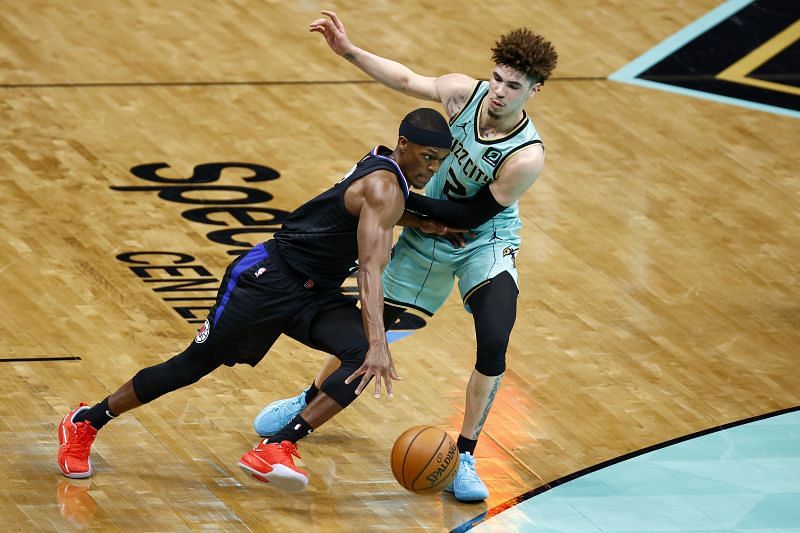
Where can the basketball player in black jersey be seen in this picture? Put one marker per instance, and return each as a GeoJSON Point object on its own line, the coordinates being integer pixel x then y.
{"type": "Point", "coordinates": [291, 285]}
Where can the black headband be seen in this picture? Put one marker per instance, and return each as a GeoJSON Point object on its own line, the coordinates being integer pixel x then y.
{"type": "Point", "coordinates": [438, 139]}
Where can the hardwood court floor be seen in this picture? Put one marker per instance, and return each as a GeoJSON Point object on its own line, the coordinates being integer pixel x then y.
{"type": "Point", "coordinates": [659, 265]}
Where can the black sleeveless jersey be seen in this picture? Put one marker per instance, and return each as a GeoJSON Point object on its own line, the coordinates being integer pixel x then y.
{"type": "Point", "coordinates": [319, 238]}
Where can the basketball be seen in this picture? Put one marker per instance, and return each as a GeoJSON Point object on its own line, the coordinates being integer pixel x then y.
{"type": "Point", "coordinates": [424, 459]}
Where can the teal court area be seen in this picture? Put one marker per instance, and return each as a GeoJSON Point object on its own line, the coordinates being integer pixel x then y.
{"type": "Point", "coordinates": [741, 478]}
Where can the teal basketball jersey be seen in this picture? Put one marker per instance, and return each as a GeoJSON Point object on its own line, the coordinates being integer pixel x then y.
{"type": "Point", "coordinates": [475, 162]}
{"type": "Point", "coordinates": [424, 267]}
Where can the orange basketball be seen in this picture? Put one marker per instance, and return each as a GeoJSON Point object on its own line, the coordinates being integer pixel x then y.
{"type": "Point", "coordinates": [424, 459]}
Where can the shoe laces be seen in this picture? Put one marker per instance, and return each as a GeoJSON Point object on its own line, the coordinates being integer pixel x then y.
{"type": "Point", "coordinates": [290, 448]}
{"type": "Point", "coordinates": [286, 447]}
{"type": "Point", "coordinates": [467, 471]}
{"type": "Point", "coordinates": [84, 437]}
{"type": "Point", "coordinates": [290, 407]}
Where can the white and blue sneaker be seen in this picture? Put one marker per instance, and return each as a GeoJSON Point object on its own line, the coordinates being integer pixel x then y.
{"type": "Point", "coordinates": [276, 415]}
{"type": "Point", "coordinates": [467, 486]}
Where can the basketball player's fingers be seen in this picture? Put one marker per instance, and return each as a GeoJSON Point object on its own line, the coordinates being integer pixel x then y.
{"type": "Point", "coordinates": [324, 23]}
{"type": "Point", "coordinates": [335, 19]}
{"type": "Point", "coordinates": [327, 21]}
{"type": "Point", "coordinates": [321, 28]}
{"type": "Point", "coordinates": [360, 370]}
{"type": "Point", "coordinates": [389, 391]}
{"type": "Point", "coordinates": [318, 30]}
{"type": "Point", "coordinates": [393, 371]}
{"type": "Point", "coordinates": [365, 379]}
{"type": "Point", "coordinates": [463, 235]}
{"type": "Point", "coordinates": [457, 239]}
{"type": "Point", "coordinates": [366, 375]}
{"type": "Point", "coordinates": [378, 387]}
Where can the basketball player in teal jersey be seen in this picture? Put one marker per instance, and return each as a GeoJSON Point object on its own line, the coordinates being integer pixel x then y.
{"type": "Point", "coordinates": [496, 156]}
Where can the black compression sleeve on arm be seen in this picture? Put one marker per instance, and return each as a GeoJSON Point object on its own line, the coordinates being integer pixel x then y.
{"type": "Point", "coordinates": [465, 215]}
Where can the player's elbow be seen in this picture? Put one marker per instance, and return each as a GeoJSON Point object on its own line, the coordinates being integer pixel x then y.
{"type": "Point", "coordinates": [404, 83]}
{"type": "Point", "coordinates": [412, 84]}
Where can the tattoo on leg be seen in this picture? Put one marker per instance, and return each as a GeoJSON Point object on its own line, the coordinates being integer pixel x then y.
{"type": "Point", "coordinates": [487, 407]}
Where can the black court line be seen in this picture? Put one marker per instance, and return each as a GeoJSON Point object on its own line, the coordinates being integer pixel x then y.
{"type": "Point", "coordinates": [677, 78]}
{"type": "Point", "coordinates": [39, 358]}
{"type": "Point", "coordinates": [466, 526]}
{"type": "Point", "coordinates": [175, 84]}
{"type": "Point", "coordinates": [79, 85]}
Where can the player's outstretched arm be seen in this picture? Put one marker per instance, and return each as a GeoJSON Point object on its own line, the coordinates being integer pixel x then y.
{"type": "Point", "coordinates": [381, 205]}
{"type": "Point", "coordinates": [449, 89]}
{"type": "Point", "coordinates": [468, 214]}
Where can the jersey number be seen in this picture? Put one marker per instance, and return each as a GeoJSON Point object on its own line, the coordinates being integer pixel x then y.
{"type": "Point", "coordinates": [454, 189]}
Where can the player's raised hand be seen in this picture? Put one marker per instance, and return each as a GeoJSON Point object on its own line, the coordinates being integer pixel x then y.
{"type": "Point", "coordinates": [333, 30]}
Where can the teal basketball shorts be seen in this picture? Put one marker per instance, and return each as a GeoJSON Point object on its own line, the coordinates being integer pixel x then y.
{"type": "Point", "coordinates": [423, 267]}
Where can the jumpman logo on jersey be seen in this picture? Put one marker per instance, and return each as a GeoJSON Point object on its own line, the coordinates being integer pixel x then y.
{"type": "Point", "coordinates": [463, 126]}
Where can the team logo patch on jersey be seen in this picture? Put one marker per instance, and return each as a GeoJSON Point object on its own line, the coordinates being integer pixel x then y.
{"type": "Point", "coordinates": [202, 333]}
{"type": "Point", "coordinates": [492, 156]}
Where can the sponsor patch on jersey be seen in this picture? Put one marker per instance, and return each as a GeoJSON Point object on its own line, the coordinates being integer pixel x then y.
{"type": "Point", "coordinates": [202, 333]}
{"type": "Point", "coordinates": [492, 156]}
{"type": "Point", "coordinates": [260, 271]}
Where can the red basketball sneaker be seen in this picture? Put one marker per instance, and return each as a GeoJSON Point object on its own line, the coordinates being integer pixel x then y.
{"type": "Point", "coordinates": [76, 444]}
{"type": "Point", "coordinates": [272, 463]}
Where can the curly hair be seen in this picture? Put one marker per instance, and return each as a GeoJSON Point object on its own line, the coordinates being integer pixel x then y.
{"type": "Point", "coordinates": [527, 52]}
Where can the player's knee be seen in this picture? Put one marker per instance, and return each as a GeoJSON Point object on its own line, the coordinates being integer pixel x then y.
{"type": "Point", "coordinates": [335, 387]}
{"type": "Point", "coordinates": [342, 393]}
{"type": "Point", "coordinates": [491, 356]}
{"type": "Point", "coordinates": [353, 356]}
{"type": "Point", "coordinates": [179, 371]}
{"type": "Point", "coordinates": [194, 363]}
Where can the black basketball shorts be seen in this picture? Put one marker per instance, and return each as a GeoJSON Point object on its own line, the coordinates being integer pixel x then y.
{"type": "Point", "coordinates": [259, 298]}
